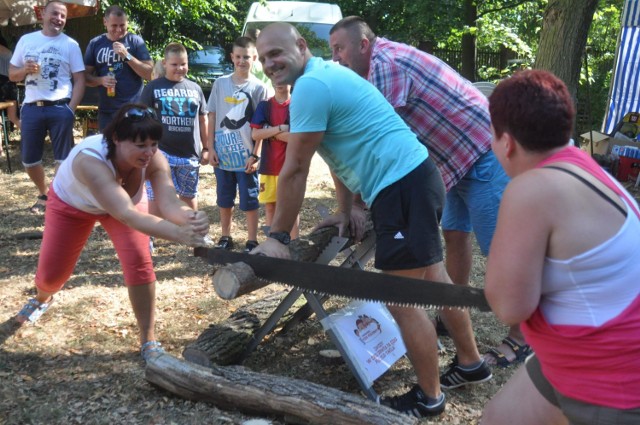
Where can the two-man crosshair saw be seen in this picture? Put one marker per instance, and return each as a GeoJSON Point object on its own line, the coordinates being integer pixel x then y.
{"type": "Point", "coordinates": [315, 281]}
{"type": "Point", "coordinates": [353, 283]}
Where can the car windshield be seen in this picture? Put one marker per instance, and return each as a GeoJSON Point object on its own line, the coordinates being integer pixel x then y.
{"type": "Point", "coordinates": [210, 55]}
{"type": "Point", "coordinates": [317, 35]}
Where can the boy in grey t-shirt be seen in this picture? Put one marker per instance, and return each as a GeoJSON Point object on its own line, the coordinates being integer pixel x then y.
{"type": "Point", "coordinates": [234, 155]}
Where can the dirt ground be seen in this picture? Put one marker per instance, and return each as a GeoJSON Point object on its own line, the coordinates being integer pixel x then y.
{"type": "Point", "coordinates": [80, 363]}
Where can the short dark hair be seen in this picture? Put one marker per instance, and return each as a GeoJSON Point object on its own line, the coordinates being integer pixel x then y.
{"type": "Point", "coordinates": [54, 1]}
{"type": "Point", "coordinates": [244, 42]}
{"type": "Point", "coordinates": [535, 107]}
{"type": "Point", "coordinates": [123, 127]}
{"type": "Point", "coordinates": [354, 24]}
{"type": "Point", "coordinates": [114, 10]}
{"type": "Point", "coordinates": [175, 48]}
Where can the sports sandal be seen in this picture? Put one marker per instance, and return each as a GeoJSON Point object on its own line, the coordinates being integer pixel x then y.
{"type": "Point", "coordinates": [40, 206]}
{"type": "Point", "coordinates": [150, 349]}
{"type": "Point", "coordinates": [32, 310]}
{"type": "Point", "coordinates": [521, 352]}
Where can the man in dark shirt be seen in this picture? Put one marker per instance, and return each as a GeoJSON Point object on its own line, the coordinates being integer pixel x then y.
{"type": "Point", "coordinates": [127, 56]}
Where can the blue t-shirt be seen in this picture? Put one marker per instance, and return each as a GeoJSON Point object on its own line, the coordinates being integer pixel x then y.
{"type": "Point", "coordinates": [101, 56]}
{"type": "Point", "coordinates": [366, 143]}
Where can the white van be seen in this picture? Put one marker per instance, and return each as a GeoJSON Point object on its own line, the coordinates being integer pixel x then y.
{"type": "Point", "coordinates": [313, 20]}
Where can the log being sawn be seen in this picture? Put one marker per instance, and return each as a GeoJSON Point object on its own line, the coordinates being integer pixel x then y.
{"type": "Point", "coordinates": [224, 343]}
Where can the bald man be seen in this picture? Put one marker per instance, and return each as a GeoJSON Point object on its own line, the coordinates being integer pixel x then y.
{"type": "Point", "coordinates": [371, 152]}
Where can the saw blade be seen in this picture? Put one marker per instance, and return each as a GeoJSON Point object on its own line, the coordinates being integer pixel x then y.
{"type": "Point", "coordinates": [353, 283]}
{"type": "Point", "coordinates": [335, 245]}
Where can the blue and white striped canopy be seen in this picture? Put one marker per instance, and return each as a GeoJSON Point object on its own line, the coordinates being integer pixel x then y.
{"type": "Point", "coordinates": [625, 90]}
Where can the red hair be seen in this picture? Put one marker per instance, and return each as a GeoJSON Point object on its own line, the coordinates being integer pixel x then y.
{"type": "Point", "coordinates": [535, 107]}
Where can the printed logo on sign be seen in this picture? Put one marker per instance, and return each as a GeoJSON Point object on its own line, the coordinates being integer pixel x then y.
{"type": "Point", "coordinates": [367, 328]}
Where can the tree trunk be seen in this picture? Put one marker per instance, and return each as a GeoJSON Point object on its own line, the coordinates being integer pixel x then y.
{"type": "Point", "coordinates": [563, 38]}
{"type": "Point", "coordinates": [298, 401]}
{"type": "Point", "coordinates": [469, 51]}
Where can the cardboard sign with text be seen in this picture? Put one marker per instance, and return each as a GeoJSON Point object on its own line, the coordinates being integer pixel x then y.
{"type": "Point", "coordinates": [370, 337]}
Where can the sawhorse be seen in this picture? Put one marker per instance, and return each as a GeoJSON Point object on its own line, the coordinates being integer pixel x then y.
{"type": "Point", "coordinates": [358, 257]}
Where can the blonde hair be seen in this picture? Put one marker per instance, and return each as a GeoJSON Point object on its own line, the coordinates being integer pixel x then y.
{"type": "Point", "coordinates": [158, 70]}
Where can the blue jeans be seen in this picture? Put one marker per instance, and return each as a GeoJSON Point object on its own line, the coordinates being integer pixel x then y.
{"type": "Point", "coordinates": [473, 203]}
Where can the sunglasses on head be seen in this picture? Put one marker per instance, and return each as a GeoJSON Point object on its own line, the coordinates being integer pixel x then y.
{"type": "Point", "coordinates": [139, 114]}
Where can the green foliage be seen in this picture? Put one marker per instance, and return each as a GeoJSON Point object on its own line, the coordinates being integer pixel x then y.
{"type": "Point", "coordinates": [191, 22]}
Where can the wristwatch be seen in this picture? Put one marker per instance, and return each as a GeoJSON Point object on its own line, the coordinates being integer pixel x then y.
{"type": "Point", "coordinates": [128, 57]}
{"type": "Point", "coordinates": [282, 237]}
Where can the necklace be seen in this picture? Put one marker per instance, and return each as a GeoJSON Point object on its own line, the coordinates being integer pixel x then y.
{"type": "Point", "coordinates": [124, 180]}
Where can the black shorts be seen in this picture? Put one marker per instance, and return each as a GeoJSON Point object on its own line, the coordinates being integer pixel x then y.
{"type": "Point", "coordinates": [406, 217]}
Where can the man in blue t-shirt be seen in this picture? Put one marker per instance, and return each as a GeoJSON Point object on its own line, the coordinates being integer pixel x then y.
{"type": "Point", "coordinates": [122, 53]}
{"type": "Point", "coordinates": [372, 152]}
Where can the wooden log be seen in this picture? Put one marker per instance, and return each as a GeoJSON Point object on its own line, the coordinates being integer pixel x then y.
{"type": "Point", "coordinates": [298, 401]}
{"type": "Point", "coordinates": [223, 343]}
{"type": "Point", "coordinates": [236, 279]}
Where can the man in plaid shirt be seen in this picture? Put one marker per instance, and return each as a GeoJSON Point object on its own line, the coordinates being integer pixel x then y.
{"type": "Point", "coordinates": [451, 118]}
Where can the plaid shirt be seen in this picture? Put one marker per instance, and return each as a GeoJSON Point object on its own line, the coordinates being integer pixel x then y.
{"type": "Point", "coordinates": [448, 114]}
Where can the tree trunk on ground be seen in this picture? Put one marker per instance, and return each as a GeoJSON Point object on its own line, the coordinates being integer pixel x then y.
{"type": "Point", "coordinates": [563, 38]}
{"type": "Point", "coordinates": [297, 401]}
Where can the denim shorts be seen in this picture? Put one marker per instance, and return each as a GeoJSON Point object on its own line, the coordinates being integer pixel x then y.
{"type": "Point", "coordinates": [185, 173]}
{"type": "Point", "coordinates": [247, 187]}
{"type": "Point", "coordinates": [473, 203]}
{"type": "Point", "coordinates": [36, 121]}
{"type": "Point", "coordinates": [406, 218]}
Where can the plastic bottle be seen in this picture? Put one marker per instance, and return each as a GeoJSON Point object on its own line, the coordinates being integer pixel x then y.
{"type": "Point", "coordinates": [111, 91]}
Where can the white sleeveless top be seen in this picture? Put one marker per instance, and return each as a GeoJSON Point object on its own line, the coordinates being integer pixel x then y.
{"type": "Point", "coordinates": [72, 191]}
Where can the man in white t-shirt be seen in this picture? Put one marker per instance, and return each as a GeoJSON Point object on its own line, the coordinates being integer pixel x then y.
{"type": "Point", "coordinates": [50, 64]}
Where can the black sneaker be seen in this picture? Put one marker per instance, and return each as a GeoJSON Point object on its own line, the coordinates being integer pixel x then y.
{"type": "Point", "coordinates": [416, 403]}
{"type": "Point", "coordinates": [456, 376]}
{"type": "Point", "coordinates": [248, 247]}
{"type": "Point", "coordinates": [225, 242]}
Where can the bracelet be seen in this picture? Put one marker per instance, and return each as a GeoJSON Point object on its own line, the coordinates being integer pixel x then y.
{"type": "Point", "coordinates": [256, 157]}
{"type": "Point", "coordinates": [205, 149]}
